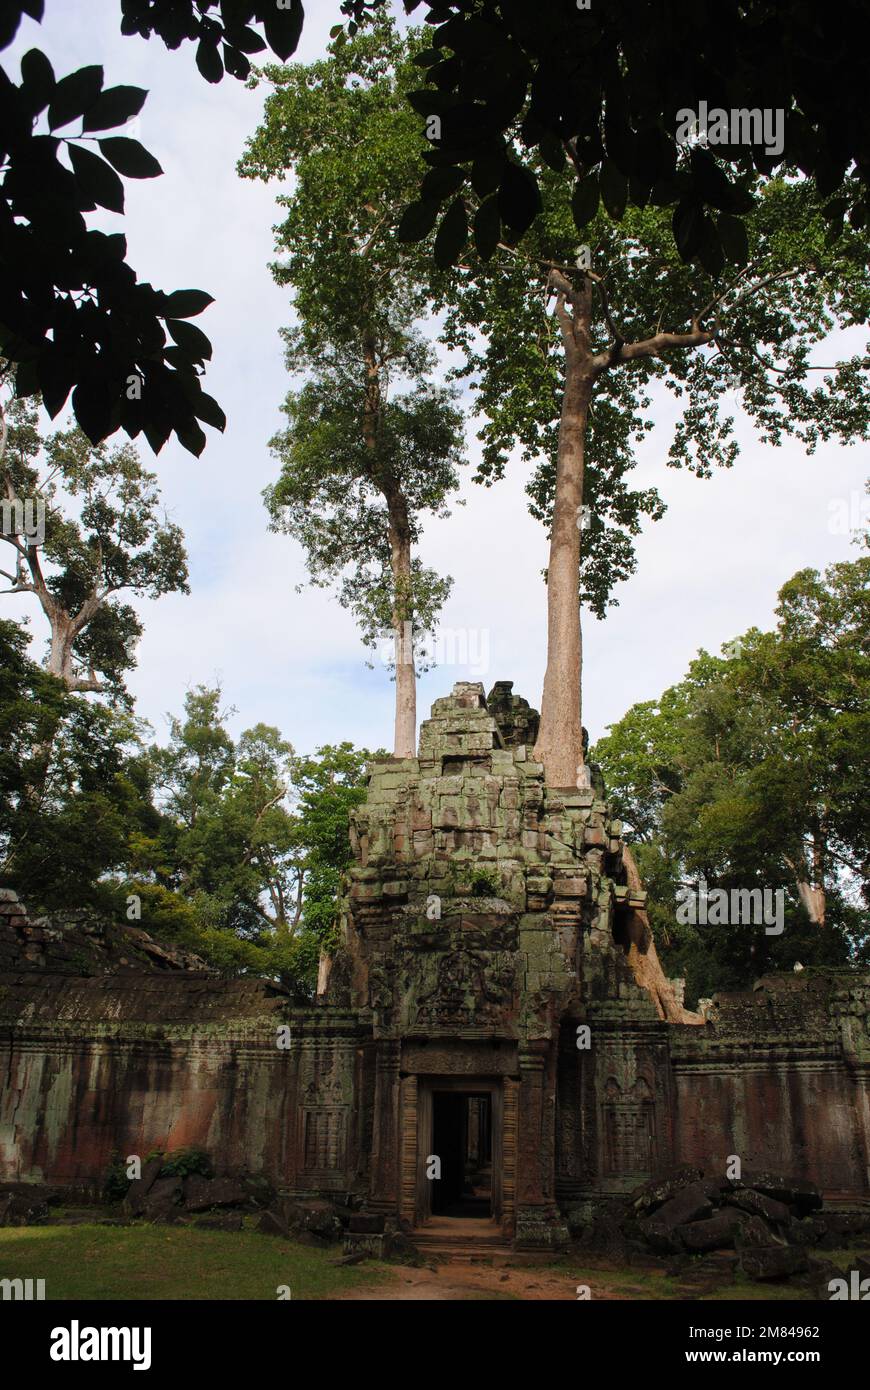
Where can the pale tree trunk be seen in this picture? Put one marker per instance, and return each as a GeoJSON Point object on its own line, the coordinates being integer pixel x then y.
{"type": "Point", "coordinates": [644, 962]}
{"type": "Point", "coordinates": [405, 729]}
{"type": "Point", "coordinates": [405, 733]}
{"type": "Point", "coordinates": [811, 885]}
{"type": "Point", "coordinates": [560, 741]}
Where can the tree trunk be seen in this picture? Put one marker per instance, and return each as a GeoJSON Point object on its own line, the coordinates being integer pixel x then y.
{"type": "Point", "coordinates": [644, 962]}
{"type": "Point", "coordinates": [811, 885]}
{"type": "Point", "coordinates": [560, 740]}
{"type": "Point", "coordinates": [405, 735]}
{"type": "Point", "coordinates": [59, 661]}
{"type": "Point", "coordinates": [405, 730]}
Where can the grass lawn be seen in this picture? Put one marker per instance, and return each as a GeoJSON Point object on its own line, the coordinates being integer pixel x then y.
{"type": "Point", "coordinates": [143, 1262]}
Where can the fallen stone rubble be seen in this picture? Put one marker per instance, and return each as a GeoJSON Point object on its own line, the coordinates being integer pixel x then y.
{"type": "Point", "coordinates": [762, 1226]}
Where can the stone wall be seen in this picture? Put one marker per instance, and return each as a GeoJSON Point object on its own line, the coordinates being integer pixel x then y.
{"type": "Point", "coordinates": [781, 1076]}
{"type": "Point", "coordinates": [120, 1065]}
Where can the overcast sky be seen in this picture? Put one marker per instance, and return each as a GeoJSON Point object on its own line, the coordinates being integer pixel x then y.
{"type": "Point", "coordinates": [709, 570]}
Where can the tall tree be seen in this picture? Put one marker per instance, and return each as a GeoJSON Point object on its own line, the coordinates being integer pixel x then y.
{"type": "Point", "coordinates": [359, 466]}
{"type": "Point", "coordinates": [101, 534]}
{"type": "Point", "coordinates": [573, 390]}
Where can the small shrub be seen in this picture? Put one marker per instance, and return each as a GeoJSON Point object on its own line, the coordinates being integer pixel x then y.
{"type": "Point", "coordinates": [485, 885]}
{"type": "Point", "coordinates": [115, 1181]}
{"type": "Point", "coordinates": [181, 1163]}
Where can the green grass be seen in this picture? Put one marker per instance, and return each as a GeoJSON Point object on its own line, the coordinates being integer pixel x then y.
{"type": "Point", "coordinates": [150, 1262]}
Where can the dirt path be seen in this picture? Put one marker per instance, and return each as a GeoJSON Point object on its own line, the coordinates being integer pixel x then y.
{"type": "Point", "coordinates": [457, 1281]}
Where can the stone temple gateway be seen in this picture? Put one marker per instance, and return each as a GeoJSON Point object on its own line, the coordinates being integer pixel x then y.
{"type": "Point", "coordinates": [495, 962]}
{"type": "Point", "coordinates": [494, 1037]}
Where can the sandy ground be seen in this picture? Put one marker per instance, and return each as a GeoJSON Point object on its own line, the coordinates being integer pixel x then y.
{"type": "Point", "coordinates": [460, 1282]}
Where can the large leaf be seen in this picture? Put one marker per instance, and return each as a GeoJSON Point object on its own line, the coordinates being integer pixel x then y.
{"type": "Point", "coordinates": [452, 235]}
{"type": "Point", "coordinates": [688, 224]}
{"type": "Point", "coordinates": [208, 60]}
{"type": "Point", "coordinates": [418, 220]}
{"type": "Point", "coordinates": [94, 406]}
{"type": "Point", "coordinates": [487, 228]}
{"type": "Point", "coordinates": [129, 157]}
{"type": "Point", "coordinates": [283, 26]}
{"type": "Point", "coordinates": [614, 190]}
{"type": "Point", "coordinates": [709, 180]}
{"type": "Point", "coordinates": [733, 237]}
{"type": "Point", "coordinates": [37, 80]}
{"type": "Point", "coordinates": [115, 106]}
{"type": "Point", "coordinates": [442, 183]}
{"type": "Point", "coordinates": [206, 408]}
{"type": "Point", "coordinates": [185, 304]}
{"type": "Point", "coordinates": [97, 178]}
{"type": "Point", "coordinates": [519, 199]}
{"type": "Point", "coordinates": [74, 95]}
{"type": "Point", "coordinates": [585, 200]}
{"type": "Point", "coordinates": [190, 339]}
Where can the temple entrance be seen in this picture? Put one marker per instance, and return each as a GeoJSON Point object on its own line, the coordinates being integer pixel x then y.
{"type": "Point", "coordinates": [459, 1139]}
{"type": "Point", "coordinates": [462, 1141]}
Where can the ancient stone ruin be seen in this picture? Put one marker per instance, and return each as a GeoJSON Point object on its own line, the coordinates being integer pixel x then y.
{"type": "Point", "coordinates": [494, 1037]}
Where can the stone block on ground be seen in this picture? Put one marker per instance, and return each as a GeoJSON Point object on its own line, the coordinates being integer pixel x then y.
{"type": "Point", "coordinates": [763, 1262]}
{"type": "Point", "coordinates": [690, 1204]}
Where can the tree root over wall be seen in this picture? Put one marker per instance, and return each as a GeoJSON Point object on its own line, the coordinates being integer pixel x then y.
{"type": "Point", "coordinates": [643, 958]}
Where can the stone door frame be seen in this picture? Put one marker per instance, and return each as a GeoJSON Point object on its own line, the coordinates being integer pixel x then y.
{"type": "Point", "coordinates": [417, 1139]}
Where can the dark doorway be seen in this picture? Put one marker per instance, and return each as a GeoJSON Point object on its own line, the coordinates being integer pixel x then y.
{"type": "Point", "coordinates": [462, 1140]}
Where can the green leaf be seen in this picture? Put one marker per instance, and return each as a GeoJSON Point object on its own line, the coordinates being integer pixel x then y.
{"type": "Point", "coordinates": [129, 157]}
{"type": "Point", "coordinates": [74, 95]}
{"type": "Point", "coordinates": [614, 190]}
{"type": "Point", "coordinates": [584, 201]}
{"type": "Point", "coordinates": [185, 304]}
{"type": "Point", "coordinates": [96, 178]}
{"type": "Point", "coordinates": [190, 339]}
{"type": "Point", "coordinates": [418, 219]}
{"type": "Point", "coordinates": [487, 228]}
{"type": "Point", "coordinates": [115, 106]}
{"type": "Point", "coordinates": [452, 235]}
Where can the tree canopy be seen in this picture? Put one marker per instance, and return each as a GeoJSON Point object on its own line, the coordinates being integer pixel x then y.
{"type": "Point", "coordinates": [751, 773]}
